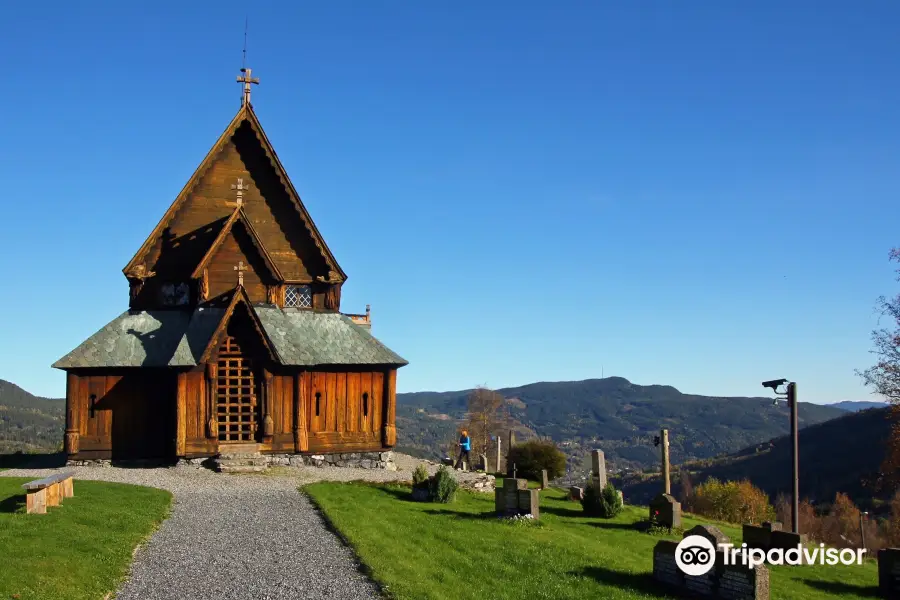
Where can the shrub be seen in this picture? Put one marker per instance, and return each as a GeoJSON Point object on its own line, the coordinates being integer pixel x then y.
{"type": "Point", "coordinates": [533, 456]}
{"type": "Point", "coordinates": [605, 504]}
{"type": "Point", "coordinates": [443, 486]}
{"type": "Point", "coordinates": [732, 501]}
{"type": "Point", "coordinates": [420, 475]}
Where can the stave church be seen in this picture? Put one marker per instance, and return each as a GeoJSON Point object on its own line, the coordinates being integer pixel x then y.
{"type": "Point", "coordinates": [234, 337]}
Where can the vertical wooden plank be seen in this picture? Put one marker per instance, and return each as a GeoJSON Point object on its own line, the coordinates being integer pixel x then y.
{"type": "Point", "coordinates": [180, 415]}
{"type": "Point", "coordinates": [365, 390]}
{"type": "Point", "coordinates": [352, 405]}
{"type": "Point", "coordinates": [389, 435]}
{"type": "Point", "coordinates": [72, 414]}
{"type": "Point", "coordinates": [287, 403]}
{"type": "Point", "coordinates": [96, 388]}
{"type": "Point", "coordinates": [276, 402]}
{"type": "Point", "coordinates": [331, 413]}
{"type": "Point", "coordinates": [376, 400]}
{"type": "Point", "coordinates": [85, 424]}
{"type": "Point", "coordinates": [301, 404]}
{"type": "Point", "coordinates": [317, 421]}
{"type": "Point", "coordinates": [341, 399]}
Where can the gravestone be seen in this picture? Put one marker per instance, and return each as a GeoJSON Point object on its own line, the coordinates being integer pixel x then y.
{"type": "Point", "coordinates": [787, 539]}
{"type": "Point", "coordinates": [516, 499]}
{"type": "Point", "coordinates": [760, 536]}
{"type": "Point", "coordinates": [544, 483]}
{"type": "Point", "coordinates": [576, 493]}
{"type": "Point", "coordinates": [889, 572]}
{"type": "Point", "coordinates": [733, 581]}
{"type": "Point", "coordinates": [665, 511]}
{"type": "Point", "coordinates": [598, 470]}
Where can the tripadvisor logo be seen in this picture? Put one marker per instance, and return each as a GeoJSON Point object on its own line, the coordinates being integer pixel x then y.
{"type": "Point", "coordinates": [695, 555]}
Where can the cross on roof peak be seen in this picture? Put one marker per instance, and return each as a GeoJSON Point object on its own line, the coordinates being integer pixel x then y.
{"type": "Point", "coordinates": [246, 78]}
{"type": "Point", "coordinates": [240, 268]}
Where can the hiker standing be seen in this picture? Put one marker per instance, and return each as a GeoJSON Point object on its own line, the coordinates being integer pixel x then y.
{"type": "Point", "coordinates": [465, 446]}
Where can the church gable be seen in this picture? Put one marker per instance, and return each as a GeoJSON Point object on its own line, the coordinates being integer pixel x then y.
{"type": "Point", "coordinates": [241, 170]}
{"type": "Point", "coordinates": [236, 258]}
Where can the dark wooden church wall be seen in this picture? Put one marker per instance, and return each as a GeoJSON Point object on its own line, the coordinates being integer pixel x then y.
{"type": "Point", "coordinates": [265, 203]}
{"type": "Point", "coordinates": [349, 411]}
{"type": "Point", "coordinates": [123, 413]}
{"type": "Point", "coordinates": [235, 248]}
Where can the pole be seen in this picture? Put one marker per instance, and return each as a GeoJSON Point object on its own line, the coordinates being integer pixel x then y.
{"type": "Point", "coordinates": [862, 529]}
{"type": "Point", "coordinates": [795, 495]}
{"type": "Point", "coordinates": [664, 436]}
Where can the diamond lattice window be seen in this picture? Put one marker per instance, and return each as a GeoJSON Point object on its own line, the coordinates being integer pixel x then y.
{"type": "Point", "coordinates": [298, 296]}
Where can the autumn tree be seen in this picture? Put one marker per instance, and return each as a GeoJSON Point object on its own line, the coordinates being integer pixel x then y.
{"type": "Point", "coordinates": [884, 376]}
{"type": "Point", "coordinates": [486, 415]}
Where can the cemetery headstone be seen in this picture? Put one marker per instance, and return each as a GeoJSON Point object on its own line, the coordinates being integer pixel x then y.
{"type": "Point", "coordinates": [598, 470]}
{"type": "Point", "coordinates": [733, 581]}
{"type": "Point", "coordinates": [516, 499]}
{"type": "Point", "coordinates": [665, 510]}
{"type": "Point", "coordinates": [544, 483]}
{"type": "Point", "coordinates": [576, 493]}
{"type": "Point", "coordinates": [889, 572]}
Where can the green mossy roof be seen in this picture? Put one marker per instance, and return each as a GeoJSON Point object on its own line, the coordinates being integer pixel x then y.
{"type": "Point", "coordinates": [174, 338]}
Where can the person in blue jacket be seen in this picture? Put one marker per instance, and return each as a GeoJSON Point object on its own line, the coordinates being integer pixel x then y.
{"type": "Point", "coordinates": [465, 446]}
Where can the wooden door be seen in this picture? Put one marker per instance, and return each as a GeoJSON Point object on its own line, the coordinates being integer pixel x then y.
{"type": "Point", "coordinates": [237, 398]}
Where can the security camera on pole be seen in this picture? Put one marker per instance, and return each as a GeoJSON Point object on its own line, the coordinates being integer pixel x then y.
{"type": "Point", "coordinates": [791, 396]}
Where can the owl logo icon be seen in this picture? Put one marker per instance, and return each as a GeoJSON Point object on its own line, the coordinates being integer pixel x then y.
{"type": "Point", "coordinates": [695, 555]}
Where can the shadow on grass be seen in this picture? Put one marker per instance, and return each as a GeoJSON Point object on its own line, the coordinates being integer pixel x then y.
{"type": "Point", "coordinates": [399, 494]}
{"type": "Point", "coordinates": [457, 514]}
{"type": "Point", "coordinates": [639, 526]}
{"type": "Point", "coordinates": [574, 512]}
{"type": "Point", "coordinates": [21, 460]}
{"type": "Point", "coordinates": [12, 504]}
{"type": "Point", "coordinates": [643, 583]}
{"type": "Point", "coordinates": [839, 588]}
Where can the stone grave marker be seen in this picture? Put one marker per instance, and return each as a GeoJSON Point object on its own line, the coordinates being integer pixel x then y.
{"type": "Point", "coordinates": [666, 511]}
{"type": "Point", "coordinates": [598, 470]}
{"type": "Point", "coordinates": [889, 572]}
{"type": "Point", "coordinates": [516, 499]}
{"type": "Point", "coordinates": [576, 493]}
{"type": "Point", "coordinates": [544, 483]}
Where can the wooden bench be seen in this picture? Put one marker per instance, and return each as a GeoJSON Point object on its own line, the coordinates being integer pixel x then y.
{"type": "Point", "coordinates": [48, 491]}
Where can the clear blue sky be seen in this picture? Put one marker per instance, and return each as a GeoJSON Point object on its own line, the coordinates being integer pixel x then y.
{"type": "Point", "coordinates": [698, 194]}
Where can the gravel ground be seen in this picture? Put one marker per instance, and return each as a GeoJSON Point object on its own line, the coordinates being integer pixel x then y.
{"type": "Point", "coordinates": [242, 536]}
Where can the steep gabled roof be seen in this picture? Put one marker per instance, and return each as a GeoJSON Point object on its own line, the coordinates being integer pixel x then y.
{"type": "Point", "coordinates": [246, 113]}
{"type": "Point", "coordinates": [238, 216]}
{"type": "Point", "coordinates": [238, 296]}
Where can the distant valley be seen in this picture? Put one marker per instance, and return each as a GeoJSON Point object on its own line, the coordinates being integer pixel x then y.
{"type": "Point", "coordinates": [612, 414]}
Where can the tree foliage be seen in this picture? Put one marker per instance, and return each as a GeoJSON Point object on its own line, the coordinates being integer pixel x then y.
{"type": "Point", "coordinates": [884, 376]}
{"type": "Point", "coordinates": [605, 504]}
{"type": "Point", "coordinates": [486, 416]}
{"type": "Point", "coordinates": [732, 501]}
{"type": "Point", "coordinates": [533, 456]}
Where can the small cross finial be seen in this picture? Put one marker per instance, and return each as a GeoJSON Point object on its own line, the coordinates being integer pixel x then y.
{"type": "Point", "coordinates": [241, 188]}
{"type": "Point", "coordinates": [240, 268]}
{"type": "Point", "coordinates": [246, 79]}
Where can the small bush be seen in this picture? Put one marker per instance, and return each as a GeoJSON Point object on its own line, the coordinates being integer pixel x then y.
{"type": "Point", "coordinates": [443, 486]}
{"type": "Point", "coordinates": [605, 504]}
{"type": "Point", "coordinates": [420, 475]}
{"type": "Point", "coordinates": [534, 456]}
{"type": "Point", "coordinates": [732, 501]}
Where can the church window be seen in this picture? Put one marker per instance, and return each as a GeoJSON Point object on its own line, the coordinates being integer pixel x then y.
{"type": "Point", "coordinates": [298, 296]}
{"type": "Point", "coordinates": [175, 294]}
{"type": "Point", "coordinates": [366, 404]}
{"type": "Point", "coordinates": [318, 397]}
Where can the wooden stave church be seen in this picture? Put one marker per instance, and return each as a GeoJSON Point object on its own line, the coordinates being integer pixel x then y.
{"type": "Point", "coordinates": [234, 335]}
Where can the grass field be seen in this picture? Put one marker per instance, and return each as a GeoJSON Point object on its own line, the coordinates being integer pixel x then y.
{"type": "Point", "coordinates": [460, 550]}
{"type": "Point", "coordinates": [80, 550]}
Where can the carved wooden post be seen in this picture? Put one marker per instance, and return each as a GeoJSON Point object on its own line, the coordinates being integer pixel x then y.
{"type": "Point", "coordinates": [212, 391]}
{"type": "Point", "coordinates": [268, 423]}
{"type": "Point", "coordinates": [72, 430]}
{"type": "Point", "coordinates": [389, 434]}
{"type": "Point", "coordinates": [204, 286]}
{"type": "Point", "coordinates": [301, 391]}
{"type": "Point", "coordinates": [181, 415]}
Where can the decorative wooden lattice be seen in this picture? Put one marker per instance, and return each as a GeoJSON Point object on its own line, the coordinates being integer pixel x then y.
{"type": "Point", "coordinates": [236, 389]}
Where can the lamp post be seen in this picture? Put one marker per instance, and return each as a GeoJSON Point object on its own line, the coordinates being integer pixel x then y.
{"type": "Point", "coordinates": [791, 396]}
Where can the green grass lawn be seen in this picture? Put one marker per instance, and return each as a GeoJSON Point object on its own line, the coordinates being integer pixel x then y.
{"type": "Point", "coordinates": [460, 550]}
{"type": "Point", "coordinates": [81, 549]}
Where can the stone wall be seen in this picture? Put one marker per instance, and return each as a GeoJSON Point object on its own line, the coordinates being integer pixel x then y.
{"type": "Point", "coordinates": [353, 460]}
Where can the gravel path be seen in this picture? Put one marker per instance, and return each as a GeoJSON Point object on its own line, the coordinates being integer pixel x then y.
{"type": "Point", "coordinates": [241, 536]}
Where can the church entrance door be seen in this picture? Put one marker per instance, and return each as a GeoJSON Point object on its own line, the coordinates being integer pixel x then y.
{"type": "Point", "coordinates": [237, 398]}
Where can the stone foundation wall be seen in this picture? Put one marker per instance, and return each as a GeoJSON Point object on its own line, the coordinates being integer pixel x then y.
{"type": "Point", "coordinates": [353, 460]}
{"type": "Point", "coordinates": [358, 460]}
